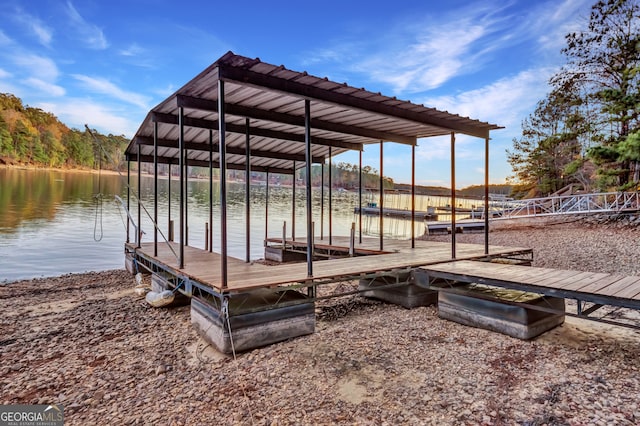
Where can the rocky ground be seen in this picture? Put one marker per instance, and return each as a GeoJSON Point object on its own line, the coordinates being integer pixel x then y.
{"type": "Point", "coordinates": [88, 342]}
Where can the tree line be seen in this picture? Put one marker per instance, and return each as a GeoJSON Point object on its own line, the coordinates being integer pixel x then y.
{"type": "Point", "coordinates": [586, 131]}
{"type": "Point", "coordinates": [35, 137]}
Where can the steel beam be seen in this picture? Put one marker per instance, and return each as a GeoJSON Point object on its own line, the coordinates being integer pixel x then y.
{"type": "Point", "coordinates": [197, 146]}
{"type": "Point", "coordinates": [294, 120]}
{"type": "Point", "coordinates": [267, 133]}
{"type": "Point", "coordinates": [246, 77]}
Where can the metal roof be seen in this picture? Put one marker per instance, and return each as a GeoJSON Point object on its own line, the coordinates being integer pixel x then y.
{"type": "Point", "coordinates": [269, 101]}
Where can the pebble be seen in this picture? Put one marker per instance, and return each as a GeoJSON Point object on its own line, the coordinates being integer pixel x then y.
{"type": "Point", "coordinates": [370, 363]}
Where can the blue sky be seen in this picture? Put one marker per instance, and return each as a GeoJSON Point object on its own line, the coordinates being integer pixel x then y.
{"type": "Point", "coordinates": [107, 63]}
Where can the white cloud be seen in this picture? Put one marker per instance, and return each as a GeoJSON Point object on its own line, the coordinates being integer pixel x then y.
{"type": "Point", "coordinates": [4, 39]}
{"type": "Point", "coordinates": [4, 74]}
{"type": "Point", "coordinates": [105, 87]}
{"type": "Point", "coordinates": [92, 36]}
{"type": "Point", "coordinates": [133, 50]}
{"type": "Point", "coordinates": [505, 102]}
{"type": "Point", "coordinates": [43, 67]}
{"type": "Point", "coordinates": [434, 57]}
{"type": "Point", "coordinates": [551, 24]}
{"type": "Point", "coordinates": [45, 87]}
{"type": "Point", "coordinates": [42, 32]}
{"type": "Point", "coordinates": [78, 112]}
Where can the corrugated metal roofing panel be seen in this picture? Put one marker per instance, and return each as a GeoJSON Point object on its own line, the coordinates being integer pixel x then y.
{"type": "Point", "coordinates": [365, 111]}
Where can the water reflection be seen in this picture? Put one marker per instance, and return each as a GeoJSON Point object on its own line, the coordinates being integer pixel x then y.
{"type": "Point", "coordinates": [51, 224]}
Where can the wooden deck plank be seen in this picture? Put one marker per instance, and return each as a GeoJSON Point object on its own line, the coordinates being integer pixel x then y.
{"type": "Point", "coordinates": [582, 284]}
{"type": "Point", "coordinates": [630, 291]}
{"type": "Point", "coordinates": [617, 288]}
{"type": "Point", "coordinates": [597, 285]}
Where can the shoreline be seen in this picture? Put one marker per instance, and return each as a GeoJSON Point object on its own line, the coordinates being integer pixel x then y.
{"type": "Point", "coordinates": [86, 341]}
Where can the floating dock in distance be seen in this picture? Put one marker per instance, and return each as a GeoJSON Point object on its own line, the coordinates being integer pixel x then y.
{"type": "Point", "coordinates": [430, 214]}
{"type": "Point", "coordinates": [470, 227]}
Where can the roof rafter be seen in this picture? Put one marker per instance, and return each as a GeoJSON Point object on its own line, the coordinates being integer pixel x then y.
{"type": "Point", "coordinates": [216, 164]}
{"type": "Point", "coordinates": [255, 131]}
{"type": "Point", "coordinates": [244, 76]}
{"type": "Point", "coordinates": [294, 120]}
{"type": "Point", "coordinates": [204, 147]}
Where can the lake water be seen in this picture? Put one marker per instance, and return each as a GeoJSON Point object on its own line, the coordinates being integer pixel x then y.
{"type": "Point", "coordinates": [54, 222]}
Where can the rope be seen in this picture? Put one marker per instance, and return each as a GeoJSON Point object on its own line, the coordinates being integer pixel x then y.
{"type": "Point", "coordinates": [97, 223]}
{"type": "Point", "coordinates": [225, 312]}
{"type": "Point", "coordinates": [135, 194]}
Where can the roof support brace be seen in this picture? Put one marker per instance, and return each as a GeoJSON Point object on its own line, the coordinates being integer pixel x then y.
{"type": "Point", "coordinates": [246, 77]}
{"type": "Point", "coordinates": [238, 128]}
{"type": "Point", "coordinates": [294, 120]}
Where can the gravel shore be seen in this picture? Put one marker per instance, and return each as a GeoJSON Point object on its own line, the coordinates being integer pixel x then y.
{"type": "Point", "coordinates": [88, 342]}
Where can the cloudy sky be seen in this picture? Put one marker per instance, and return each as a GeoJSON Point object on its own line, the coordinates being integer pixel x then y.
{"type": "Point", "coordinates": [107, 63]}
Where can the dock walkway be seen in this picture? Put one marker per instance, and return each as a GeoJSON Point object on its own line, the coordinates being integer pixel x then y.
{"type": "Point", "coordinates": [202, 268]}
{"type": "Point", "coordinates": [597, 288]}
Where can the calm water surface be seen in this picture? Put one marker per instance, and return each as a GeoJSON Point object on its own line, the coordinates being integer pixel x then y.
{"type": "Point", "coordinates": [53, 223]}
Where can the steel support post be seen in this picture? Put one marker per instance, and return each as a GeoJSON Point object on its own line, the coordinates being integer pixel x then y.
{"type": "Point", "coordinates": [247, 191]}
{"type": "Point", "coordinates": [181, 175]}
{"type": "Point", "coordinates": [128, 196]}
{"type": "Point", "coordinates": [210, 191]}
{"type": "Point", "coordinates": [330, 205]}
{"type": "Point", "coordinates": [139, 228]}
{"type": "Point", "coordinates": [360, 196]}
{"type": "Point", "coordinates": [307, 159]}
{"type": "Point", "coordinates": [169, 228]}
{"type": "Point", "coordinates": [413, 196]}
{"type": "Point", "coordinates": [381, 195]}
{"type": "Point", "coordinates": [453, 195]}
{"type": "Point", "coordinates": [486, 196]}
{"type": "Point", "coordinates": [322, 201]}
{"type": "Point", "coordinates": [293, 204]}
{"type": "Point", "coordinates": [186, 196]}
{"type": "Point", "coordinates": [266, 211]}
{"type": "Point", "coordinates": [223, 183]}
{"type": "Point", "coordinates": [155, 188]}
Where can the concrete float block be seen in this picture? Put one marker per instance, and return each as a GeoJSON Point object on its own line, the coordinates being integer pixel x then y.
{"type": "Point", "coordinates": [491, 313]}
{"type": "Point", "coordinates": [276, 254]}
{"type": "Point", "coordinates": [409, 295]}
{"type": "Point", "coordinates": [129, 264]}
{"type": "Point", "coordinates": [258, 318]}
{"type": "Point", "coordinates": [161, 282]}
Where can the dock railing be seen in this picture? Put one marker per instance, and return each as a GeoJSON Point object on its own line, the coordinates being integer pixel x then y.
{"type": "Point", "coordinates": [605, 202]}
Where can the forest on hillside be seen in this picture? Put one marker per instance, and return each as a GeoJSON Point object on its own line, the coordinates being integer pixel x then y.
{"type": "Point", "coordinates": [586, 131]}
{"type": "Point", "coordinates": [31, 136]}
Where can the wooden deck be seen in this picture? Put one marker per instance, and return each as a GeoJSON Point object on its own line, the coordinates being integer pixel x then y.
{"type": "Point", "coordinates": [598, 288]}
{"type": "Point", "coordinates": [205, 268]}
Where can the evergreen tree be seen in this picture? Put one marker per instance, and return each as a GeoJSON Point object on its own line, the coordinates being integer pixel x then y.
{"type": "Point", "coordinates": [605, 61]}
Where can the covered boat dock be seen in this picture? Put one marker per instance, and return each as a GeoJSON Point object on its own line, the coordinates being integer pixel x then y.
{"type": "Point", "coordinates": [245, 114]}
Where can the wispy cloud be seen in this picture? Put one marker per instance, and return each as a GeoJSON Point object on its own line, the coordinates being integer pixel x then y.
{"type": "Point", "coordinates": [39, 29]}
{"type": "Point", "coordinates": [105, 87]}
{"type": "Point", "coordinates": [505, 102]}
{"type": "Point", "coordinates": [132, 50]}
{"type": "Point", "coordinates": [550, 25]}
{"type": "Point", "coordinates": [45, 87]}
{"type": "Point", "coordinates": [43, 67]}
{"type": "Point", "coordinates": [4, 74]}
{"type": "Point", "coordinates": [77, 112]}
{"type": "Point", "coordinates": [92, 36]}
{"type": "Point", "coordinates": [4, 39]}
